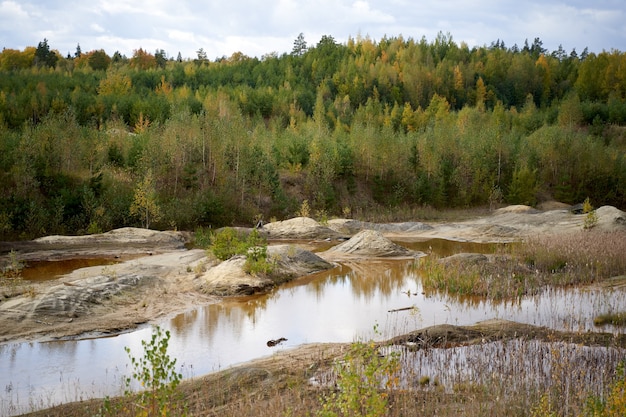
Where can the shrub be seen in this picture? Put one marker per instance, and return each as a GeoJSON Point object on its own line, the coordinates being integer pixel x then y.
{"type": "Point", "coordinates": [227, 243]}
{"type": "Point", "coordinates": [364, 378]}
{"type": "Point", "coordinates": [305, 209]}
{"type": "Point", "coordinates": [156, 372]}
{"type": "Point", "coordinates": [11, 273]}
{"type": "Point", "coordinates": [202, 237]}
{"type": "Point", "coordinates": [616, 319]}
{"type": "Point", "coordinates": [591, 218]}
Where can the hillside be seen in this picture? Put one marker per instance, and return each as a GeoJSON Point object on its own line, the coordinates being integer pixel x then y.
{"type": "Point", "coordinates": [363, 129]}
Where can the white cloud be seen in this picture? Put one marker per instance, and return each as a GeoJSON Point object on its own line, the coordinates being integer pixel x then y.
{"type": "Point", "coordinates": [363, 13]}
{"type": "Point", "coordinates": [97, 28]}
{"type": "Point", "coordinates": [257, 28]}
{"type": "Point", "coordinates": [180, 35]}
{"type": "Point", "coordinates": [12, 10]}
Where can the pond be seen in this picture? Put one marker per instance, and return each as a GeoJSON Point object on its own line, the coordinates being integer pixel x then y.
{"type": "Point", "coordinates": [49, 270]}
{"type": "Point", "coordinates": [340, 305]}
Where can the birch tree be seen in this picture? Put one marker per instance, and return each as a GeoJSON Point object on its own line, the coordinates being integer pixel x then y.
{"type": "Point", "coordinates": [144, 203]}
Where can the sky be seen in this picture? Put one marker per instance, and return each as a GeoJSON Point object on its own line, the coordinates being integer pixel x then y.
{"type": "Point", "coordinates": [257, 28]}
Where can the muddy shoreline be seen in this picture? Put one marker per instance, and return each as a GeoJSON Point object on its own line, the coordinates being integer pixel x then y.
{"type": "Point", "coordinates": [162, 277]}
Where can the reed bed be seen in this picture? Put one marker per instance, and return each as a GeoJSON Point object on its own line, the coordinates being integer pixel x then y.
{"type": "Point", "coordinates": [529, 267]}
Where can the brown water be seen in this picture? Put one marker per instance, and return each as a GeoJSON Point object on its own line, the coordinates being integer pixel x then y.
{"type": "Point", "coordinates": [340, 305]}
{"type": "Point", "coordinates": [47, 270]}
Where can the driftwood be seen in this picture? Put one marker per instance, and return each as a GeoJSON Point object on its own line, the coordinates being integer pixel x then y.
{"type": "Point", "coordinates": [272, 343]}
{"type": "Point", "coordinates": [401, 309]}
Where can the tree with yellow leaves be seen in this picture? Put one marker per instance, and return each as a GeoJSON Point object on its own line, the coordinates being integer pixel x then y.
{"type": "Point", "coordinates": [144, 203]}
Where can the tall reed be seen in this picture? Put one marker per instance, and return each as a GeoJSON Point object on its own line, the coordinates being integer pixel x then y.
{"type": "Point", "coordinates": [525, 268]}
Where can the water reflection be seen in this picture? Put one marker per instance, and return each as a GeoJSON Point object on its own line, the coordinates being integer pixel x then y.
{"type": "Point", "coordinates": [46, 270]}
{"type": "Point", "coordinates": [339, 305]}
{"type": "Point", "coordinates": [444, 247]}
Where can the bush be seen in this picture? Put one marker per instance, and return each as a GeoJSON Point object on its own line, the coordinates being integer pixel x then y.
{"type": "Point", "coordinates": [591, 218]}
{"type": "Point", "coordinates": [156, 372]}
{"type": "Point", "coordinates": [11, 274]}
{"type": "Point", "coordinates": [202, 237]}
{"type": "Point", "coordinates": [364, 377]}
{"type": "Point", "coordinates": [228, 243]}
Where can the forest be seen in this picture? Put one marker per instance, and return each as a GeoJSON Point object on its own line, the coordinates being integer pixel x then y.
{"type": "Point", "coordinates": [91, 142]}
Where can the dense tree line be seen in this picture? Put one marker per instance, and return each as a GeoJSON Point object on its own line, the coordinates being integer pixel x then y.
{"type": "Point", "coordinates": [350, 127]}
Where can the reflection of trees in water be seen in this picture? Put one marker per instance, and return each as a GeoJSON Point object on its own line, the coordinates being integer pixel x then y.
{"type": "Point", "coordinates": [214, 319]}
{"type": "Point", "coordinates": [367, 279]}
{"type": "Point", "coordinates": [445, 247]}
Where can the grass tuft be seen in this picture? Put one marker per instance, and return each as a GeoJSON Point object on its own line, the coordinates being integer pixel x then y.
{"type": "Point", "coordinates": [615, 319]}
{"type": "Point", "coordinates": [526, 268]}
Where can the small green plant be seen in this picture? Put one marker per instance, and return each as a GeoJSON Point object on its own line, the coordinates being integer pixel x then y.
{"type": "Point", "coordinates": [305, 209]}
{"type": "Point", "coordinates": [591, 218]}
{"type": "Point", "coordinates": [156, 372]}
{"type": "Point", "coordinates": [364, 379]}
{"type": "Point", "coordinates": [11, 273]}
{"type": "Point", "coordinates": [202, 237]}
{"type": "Point", "coordinates": [256, 254]}
{"type": "Point", "coordinates": [616, 319]}
{"type": "Point", "coordinates": [614, 403]}
{"type": "Point", "coordinates": [322, 217]}
{"type": "Point", "coordinates": [227, 243]}
{"type": "Point", "coordinates": [94, 228]}
{"type": "Point", "coordinates": [543, 408]}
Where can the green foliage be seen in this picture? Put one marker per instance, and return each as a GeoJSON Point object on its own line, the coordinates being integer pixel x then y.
{"type": "Point", "coordinates": [614, 402]}
{"type": "Point", "coordinates": [99, 60]}
{"type": "Point", "coordinates": [228, 243]}
{"type": "Point", "coordinates": [364, 381]}
{"type": "Point", "coordinates": [202, 237]}
{"type": "Point", "coordinates": [44, 57]}
{"type": "Point", "coordinates": [591, 218]}
{"type": "Point", "coordinates": [365, 125]}
{"type": "Point", "coordinates": [144, 203]}
{"type": "Point", "coordinates": [256, 254]}
{"type": "Point", "coordinates": [523, 188]}
{"type": "Point", "coordinates": [156, 373]}
{"type": "Point", "coordinates": [11, 273]}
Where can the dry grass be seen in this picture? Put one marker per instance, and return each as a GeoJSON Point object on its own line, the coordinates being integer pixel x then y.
{"type": "Point", "coordinates": [577, 258]}
{"type": "Point", "coordinates": [616, 319]}
{"type": "Point", "coordinates": [381, 214]}
{"type": "Point", "coordinates": [555, 260]}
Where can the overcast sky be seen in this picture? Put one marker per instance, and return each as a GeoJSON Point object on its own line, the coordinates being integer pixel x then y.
{"type": "Point", "coordinates": [257, 28]}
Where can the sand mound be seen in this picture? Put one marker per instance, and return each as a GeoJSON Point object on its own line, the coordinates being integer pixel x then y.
{"type": "Point", "coordinates": [230, 278]}
{"type": "Point", "coordinates": [610, 217]}
{"type": "Point", "coordinates": [299, 228]}
{"type": "Point", "coordinates": [373, 244]}
{"type": "Point", "coordinates": [349, 226]}
{"type": "Point", "coordinates": [518, 208]}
